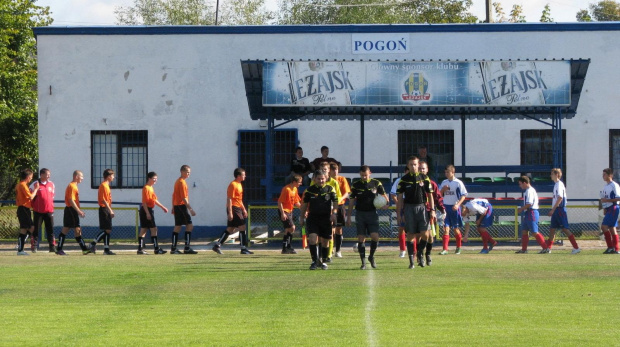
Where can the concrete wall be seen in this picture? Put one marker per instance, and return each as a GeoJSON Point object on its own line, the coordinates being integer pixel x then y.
{"type": "Point", "coordinates": [188, 92]}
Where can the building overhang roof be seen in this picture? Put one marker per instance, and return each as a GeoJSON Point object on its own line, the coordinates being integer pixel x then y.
{"type": "Point", "coordinates": [253, 78]}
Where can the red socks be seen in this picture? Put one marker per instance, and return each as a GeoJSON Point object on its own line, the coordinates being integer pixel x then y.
{"type": "Point", "coordinates": [459, 239]}
{"type": "Point", "coordinates": [608, 239]}
{"type": "Point", "coordinates": [524, 240]}
{"type": "Point", "coordinates": [541, 240]}
{"type": "Point", "coordinates": [402, 241]}
{"type": "Point", "coordinates": [485, 239]}
{"type": "Point", "coordinates": [573, 242]}
{"type": "Point", "coordinates": [446, 240]}
{"type": "Point", "coordinates": [615, 244]}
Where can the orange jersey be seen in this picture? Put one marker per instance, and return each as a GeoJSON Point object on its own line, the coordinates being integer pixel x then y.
{"type": "Point", "coordinates": [180, 192]}
{"type": "Point", "coordinates": [72, 193]}
{"type": "Point", "coordinates": [288, 198]}
{"type": "Point", "coordinates": [148, 196]}
{"type": "Point", "coordinates": [104, 194]}
{"type": "Point", "coordinates": [23, 195]}
{"type": "Point", "coordinates": [344, 187]}
{"type": "Point", "coordinates": [235, 193]}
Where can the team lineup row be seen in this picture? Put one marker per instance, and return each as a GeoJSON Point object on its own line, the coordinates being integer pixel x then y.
{"type": "Point", "coordinates": [420, 203]}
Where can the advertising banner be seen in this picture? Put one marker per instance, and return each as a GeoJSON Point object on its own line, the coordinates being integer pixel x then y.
{"type": "Point", "coordinates": [481, 83]}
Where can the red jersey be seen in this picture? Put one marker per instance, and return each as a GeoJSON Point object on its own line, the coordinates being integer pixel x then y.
{"type": "Point", "coordinates": [43, 202]}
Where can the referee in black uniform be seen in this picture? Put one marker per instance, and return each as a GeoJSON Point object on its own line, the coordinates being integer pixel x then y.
{"type": "Point", "coordinates": [411, 208]}
{"type": "Point", "coordinates": [319, 208]}
{"type": "Point", "coordinates": [363, 193]}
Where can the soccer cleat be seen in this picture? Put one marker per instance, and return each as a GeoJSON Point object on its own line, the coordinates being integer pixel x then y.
{"type": "Point", "coordinates": [246, 251]}
{"type": "Point", "coordinates": [22, 253]}
{"type": "Point", "coordinates": [420, 260]}
{"type": "Point", "coordinates": [458, 250]}
{"type": "Point", "coordinates": [292, 251]}
{"type": "Point", "coordinates": [363, 267]}
{"type": "Point", "coordinates": [544, 251]}
{"type": "Point", "coordinates": [444, 252]}
{"type": "Point", "coordinates": [33, 249]}
{"type": "Point", "coordinates": [85, 251]}
{"type": "Point", "coordinates": [175, 251]}
{"type": "Point", "coordinates": [217, 249]}
{"type": "Point", "coordinates": [327, 260]}
{"type": "Point", "coordinates": [492, 246]}
{"type": "Point", "coordinates": [607, 251]}
{"type": "Point", "coordinates": [402, 254]}
{"type": "Point", "coordinates": [484, 251]}
{"type": "Point", "coordinates": [323, 266]}
{"type": "Point", "coordinates": [575, 251]}
{"type": "Point", "coordinates": [61, 252]}
{"type": "Point", "coordinates": [613, 251]}
{"type": "Point", "coordinates": [548, 250]}
{"type": "Point", "coordinates": [284, 251]}
{"type": "Point", "coordinates": [521, 251]}
{"type": "Point", "coordinates": [372, 262]}
{"type": "Point", "coordinates": [429, 261]}
{"type": "Point", "coordinates": [189, 251]}
{"type": "Point", "coordinates": [338, 255]}
{"type": "Point", "coordinates": [313, 266]}
{"type": "Point", "coordinates": [160, 251]}
{"type": "Point", "coordinates": [108, 252]}
{"type": "Point", "coordinates": [142, 252]}
{"type": "Point", "coordinates": [411, 266]}
{"type": "Point", "coordinates": [52, 249]}
{"type": "Point", "coordinates": [93, 249]}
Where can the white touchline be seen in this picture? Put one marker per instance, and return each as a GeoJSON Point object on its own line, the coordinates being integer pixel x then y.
{"type": "Point", "coordinates": [370, 307]}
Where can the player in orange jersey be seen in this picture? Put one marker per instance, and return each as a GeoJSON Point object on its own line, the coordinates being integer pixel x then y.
{"type": "Point", "coordinates": [289, 199]}
{"type": "Point", "coordinates": [147, 217]}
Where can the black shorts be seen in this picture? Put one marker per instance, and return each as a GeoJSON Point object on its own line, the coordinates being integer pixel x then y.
{"type": "Point", "coordinates": [288, 223]}
{"type": "Point", "coordinates": [70, 219]}
{"type": "Point", "coordinates": [144, 222]}
{"type": "Point", "coordinates": [321, 225]}
{"type": "Point", "coordinates": [105, 219]}
{"type": "Point", "coordinates": [181, 215]}
{"type": "Point", "coordinates": [24, 217]}
{"type": "Point", "coordinates": [341, 216]}
{"type": "Point", "coordinates": [366, 222]}
{"type": "Point", "coordinates": [238, 219]}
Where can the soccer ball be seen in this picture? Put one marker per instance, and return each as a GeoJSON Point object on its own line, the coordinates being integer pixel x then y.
{"type": "Point", "coordinates": [379, 201]}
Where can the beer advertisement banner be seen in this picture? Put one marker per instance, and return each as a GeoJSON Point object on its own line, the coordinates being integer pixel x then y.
{"type": "Point", "coordinates": [482, 83]}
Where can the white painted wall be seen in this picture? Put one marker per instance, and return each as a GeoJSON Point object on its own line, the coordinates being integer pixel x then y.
{"type": "Point", "coordinates": [188, 92]}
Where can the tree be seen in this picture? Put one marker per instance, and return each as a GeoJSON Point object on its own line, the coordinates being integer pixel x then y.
{"type": "Point", "coordinates": [602, 11]}
{"type": "Point", "coordinates": [246, 12]}
{"type": "Point", "coordinates": [374, 12]}
{"type": "Point", "coordinates": [516, 14]}
{"type": "Point", "coordinates": [193, 12]}
{"type": "Point", "coordinates": [18, 89]}
{"type": "Point", "coordinates": [583, 16]}
{"type": "Point", "coordinates": [546, 15]}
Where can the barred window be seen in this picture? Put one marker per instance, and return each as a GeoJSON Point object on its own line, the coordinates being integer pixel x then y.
{"type": "Point", "coordinates": [252, 147]}
{"type": "Point", "coordinates": [439, 147]}
{"type": "Point", "coordinates": [614, 152]}
{"type": "Point", "coordinates": [125, 152]}
{"type": "Point", "coordinates": [537, 149]}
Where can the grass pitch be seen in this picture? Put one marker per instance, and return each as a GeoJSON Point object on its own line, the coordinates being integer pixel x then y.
{"type": "Point", "coordinates": [269, 299]}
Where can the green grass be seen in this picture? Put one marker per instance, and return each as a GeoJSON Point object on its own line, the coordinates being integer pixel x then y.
{"type": "Point", "coordinates": [268, 299]}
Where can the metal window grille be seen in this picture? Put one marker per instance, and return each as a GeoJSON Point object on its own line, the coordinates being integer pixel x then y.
{"type": "Point", "coordinates": [614, 152]}
{"type": "Point", "coordinates": [125, 152]}
{"type": "Point", "coordinates": [252, 151]}
{"type": "Point", "coordinates": [537, 149]}
{"type": "Point", "coordinates": [439, 145]}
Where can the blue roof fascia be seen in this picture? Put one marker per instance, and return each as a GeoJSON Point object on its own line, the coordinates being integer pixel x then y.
{"type": "Point", "coordinates": [326, 29]}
